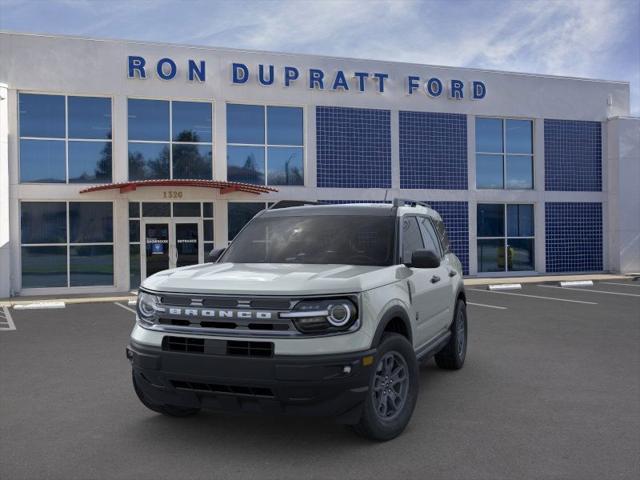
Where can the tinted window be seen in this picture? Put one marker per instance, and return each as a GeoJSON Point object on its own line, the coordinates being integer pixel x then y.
{"type": "Point", "coordinates": [134, 230]}
{"type": "Point", "coordinates": [429, 236]}
{"type": "Point", "coordinates": [245, 164]}
{"type": "Point", "coordinates": [191, 121]}
{"type": "Point", "coordinates": [89, 117]}
{"type": "Point", "coordinates": [490, 220]}
{"type": "Point", "coordinates": [519, 136]}
{"type": "Point", "coordinates": [90, 222]}
{"type": "Point", "coordinates": [245, 124]}
{"type": "Point", "coordinates": [285, 166]}
{"type": "Point", "coordinates": [491, 255]}
{"type": "Point", "coordinates": [44, 267]}
{"type": "Point", "coordinates": [284, 126]}
{"type": "Point", "coordinates": [521, 254]}
{"type": "Point", "coordinates": [148, 119]}
{"type": "Point", "coordinates": [148, 161]}
{"type": "Point", "coordinates": [192, 161]}
{"type": "Point", "coordinates": [489, 135]}
{"type": "Point", "coordinates": [91, 265]}
{"type": "Point", "coordinates": [239, 214]}
{"type": "Point", "coordinates": [186, 209]}
{"type": "Point", "coordinates": [208, 230]}
{"type": "Point", "coordinates": [207, 210]}
{"type": "Point", "coordinates": [489, 171]}
{"type": "Point", "coordinates": [134, 266]}
{"type": "Point", "coordinates": [156, 209]}
{"type": "Point", "coordinates": [42, 161]}
{"type": "Point", "coordinates": [89, 162]}
{"type": "Point", "coordinates": [43, 222]}
{"type": "Point", "coordinates": [411, 238]}
{"type": "Point", "coordinates": [41, 115]}
{"type": "Point", "coordinates": [442, 234]}
{"type": "Point", "coordinates": [315, 239]}
{"type": "Point", "coordinates": [134, 210]}
{"type": "Point", "coordinates": [520, 220]}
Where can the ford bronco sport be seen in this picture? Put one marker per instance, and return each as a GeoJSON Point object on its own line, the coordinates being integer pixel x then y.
{"type": "Point", "coordinates": [313, 310]}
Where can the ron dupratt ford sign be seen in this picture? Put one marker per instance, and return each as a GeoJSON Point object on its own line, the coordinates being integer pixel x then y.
{"type": "Point", "coordinates": [313, 78]}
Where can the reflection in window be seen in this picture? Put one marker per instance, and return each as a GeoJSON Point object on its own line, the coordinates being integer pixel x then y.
{"type": "Point", "coordinates": [91, 265]}
{"type": "Point", "coordinates": [185, 153]}
{"type": "Point", "coordinates": [43, 222]}
{"type": "Point", "coordinates": [513, 252]}
{"type": "Point", "coordinates": [43, 118]}
{"type": "Point", "coordinates": [239, 213]}
{"type": "Point", "coordinates": [91, 222]}
{"type": "Point", "coordinates": [44, 267]}
{"type": "Point", "coordinates": [504, 153]}
{"type": "Point", "coordinates": [253, 157]}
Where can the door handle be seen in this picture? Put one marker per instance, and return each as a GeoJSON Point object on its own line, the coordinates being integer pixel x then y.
{"type": "Point", "coordinates": [435, 279]}
{"type": "Point", "coordinates": [452, 273]}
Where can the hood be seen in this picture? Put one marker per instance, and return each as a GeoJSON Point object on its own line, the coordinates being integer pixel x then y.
{"type": "Point", "coordinates": [270, 279]}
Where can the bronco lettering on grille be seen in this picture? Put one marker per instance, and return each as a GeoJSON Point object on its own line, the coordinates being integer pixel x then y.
{"type": "Point", "coordinates": [213, 313]}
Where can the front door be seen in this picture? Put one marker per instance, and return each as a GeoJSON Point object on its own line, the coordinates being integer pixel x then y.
{"type": "Point", "coordinates": [171, 243]}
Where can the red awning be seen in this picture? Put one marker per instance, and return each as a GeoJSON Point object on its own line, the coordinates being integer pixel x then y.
{"type": "Point", "coordinates": [224, 187]}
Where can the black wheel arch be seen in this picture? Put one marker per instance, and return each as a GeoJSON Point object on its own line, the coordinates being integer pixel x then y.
{"type": "Point", "coordinates": [395, 320]}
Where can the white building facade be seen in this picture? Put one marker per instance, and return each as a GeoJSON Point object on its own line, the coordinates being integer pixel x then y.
{"type": "Point", "coordinates": [119, 159]}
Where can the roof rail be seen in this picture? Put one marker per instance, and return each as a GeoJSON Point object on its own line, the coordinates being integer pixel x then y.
{"type": "Point", "coordinates": [402, 202]}
{"type": "Point", "coordinates": [291, 203]}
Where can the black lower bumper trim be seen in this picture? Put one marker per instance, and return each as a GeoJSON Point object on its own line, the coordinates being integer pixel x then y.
{"type": "Point", "coordinates": [319, 385]}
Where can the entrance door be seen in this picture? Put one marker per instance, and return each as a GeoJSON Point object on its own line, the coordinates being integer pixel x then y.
{"type": "Point", "coordinates": [171, 243]}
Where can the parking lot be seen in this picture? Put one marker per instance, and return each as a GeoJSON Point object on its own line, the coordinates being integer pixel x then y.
{"type": "Point", "coordinates": [551, 389]}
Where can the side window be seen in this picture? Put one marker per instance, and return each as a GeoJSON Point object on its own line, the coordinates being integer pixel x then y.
{"type": "Point", "coordinates": [411, 238]}
{"type": "Point", "coordinates": [429, 235]}
{"type": "Point", "coordinates": [442, 234]}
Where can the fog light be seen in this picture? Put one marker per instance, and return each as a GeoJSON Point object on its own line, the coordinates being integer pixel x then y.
{"type": "Point", "coordinates": [368, 360]}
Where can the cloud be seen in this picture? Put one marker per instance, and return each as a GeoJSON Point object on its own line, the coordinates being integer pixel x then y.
{"type": "Point", "coordinates": [589, 38]}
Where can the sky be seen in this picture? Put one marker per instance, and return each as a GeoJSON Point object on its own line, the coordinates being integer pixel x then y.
{"type": "Point", "coordinates": [579, 38]}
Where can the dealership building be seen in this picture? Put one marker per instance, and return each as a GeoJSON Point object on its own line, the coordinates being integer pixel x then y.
{"type": "Point", "coordinates": [119, 158]}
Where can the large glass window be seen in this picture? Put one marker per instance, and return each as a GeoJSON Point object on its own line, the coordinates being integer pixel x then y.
{"type": "Point", "coordinates": [65, 139]}
{"type": "Point", "coordinates": [66, 244]}
{"type": "Point", "coordinates": [170, 139]}
{"type": "Point", "coordinates": [504, 153]}
{"type": "Point", "coordinates": [505, 237]}
{"type": "Point", "coordinates": [265, 144]}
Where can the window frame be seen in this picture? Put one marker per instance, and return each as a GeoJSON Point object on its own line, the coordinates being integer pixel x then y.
{"type": "Point", "coordinates": [504, 154]}
{"type": "Point", "coordinates": [66, 138]}
{"type": "Point", "coordinates": [170, 142]}
{"type": "Point", "coordinates": [67, 244]}
{"type": "Point", "coordinates": [506, 237]}
{"type": "Point", "coordinates": [266, 145]}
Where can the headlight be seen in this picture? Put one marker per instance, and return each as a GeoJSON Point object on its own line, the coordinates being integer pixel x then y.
{"type": "Point", "coordinates": [323, 316]}
{"type": "Point", "coordinates": [147, 306]}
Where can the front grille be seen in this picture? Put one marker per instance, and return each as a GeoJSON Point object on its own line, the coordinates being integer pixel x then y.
{"type": "Point", "coordinates": [251, 391]}
{"type": "Point", "coordinates": [249, 349]}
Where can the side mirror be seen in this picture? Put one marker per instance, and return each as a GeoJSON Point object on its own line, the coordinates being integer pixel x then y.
{"type": "Point", "coordinates": [215, 254]}
{"type": "Point", "coordinates": [424, 259]}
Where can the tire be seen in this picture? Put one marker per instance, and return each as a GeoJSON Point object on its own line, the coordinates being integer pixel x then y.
{"type": "Point", "coordinates": [169, 410]}
{"type": "Point", "coordinates": [385, 415]}
{"type": "Point", "coordinates": [452, 356]}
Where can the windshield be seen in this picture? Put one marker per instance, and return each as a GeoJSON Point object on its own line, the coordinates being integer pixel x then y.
{"type": "Point", "coordinates": [341, 239]}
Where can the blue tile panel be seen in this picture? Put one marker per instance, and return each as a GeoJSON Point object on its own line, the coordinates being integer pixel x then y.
{"type": "Point", "coordinates": [455, 216]}
{"type": "Point", "coordinates": [572, 155]}
{"type": "Point", "coordinates": [433, 150]}
{"type": "Point", "coordinates": [573, 236]}
{"type": "Point", "coordinates": [353, 147]}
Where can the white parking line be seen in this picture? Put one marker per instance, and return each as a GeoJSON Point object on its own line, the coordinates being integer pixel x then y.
{"type": "Point", "coordinates": [487, 306]}
{"type": "Point", "coordinates": [591, 290]}
{"type": "Point", "coordinates": [533, 296]}
{"type": "Point", "coordinates": [6, 322]}
{"type": "Point", "coordinates": [39, 305]}
{"type": "Point", "coordinates": [126, 308]}
{"type": "Point", "coordinates": [621, 284]}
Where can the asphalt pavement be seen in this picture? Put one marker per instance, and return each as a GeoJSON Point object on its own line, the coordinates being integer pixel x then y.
{"type": "Point", "coordinates": [550, 390]}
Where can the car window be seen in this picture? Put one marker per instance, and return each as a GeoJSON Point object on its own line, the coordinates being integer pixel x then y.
{"type": "Point", "coordinates": [442, 234]}
{"type": "Point", "coordinates": [411, 238]}
{"type": "Point", "coordinates": [429, 235]}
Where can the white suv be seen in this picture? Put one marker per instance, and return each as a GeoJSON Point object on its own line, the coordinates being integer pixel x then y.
{"type": "Point", "coordinates": [313, 310]}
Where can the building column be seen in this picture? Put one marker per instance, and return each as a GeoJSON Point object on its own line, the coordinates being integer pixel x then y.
{"type": "Point", "coordinates": [5, 244]}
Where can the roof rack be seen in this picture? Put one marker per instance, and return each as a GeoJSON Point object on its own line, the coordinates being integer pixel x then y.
{"type": "Point", "coordinates": [403, 202]}
{"type": "Point", "coordinates": [291, 203]}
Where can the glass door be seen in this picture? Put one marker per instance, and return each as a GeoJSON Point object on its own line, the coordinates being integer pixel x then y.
{"type": "Point", "coordinates": [187, 241]}
{"type": "Point", "coordinates": [157, 248]}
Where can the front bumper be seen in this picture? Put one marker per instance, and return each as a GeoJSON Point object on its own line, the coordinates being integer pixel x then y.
{"type": "Point", "coordinates": [318, 385]}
